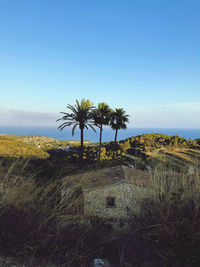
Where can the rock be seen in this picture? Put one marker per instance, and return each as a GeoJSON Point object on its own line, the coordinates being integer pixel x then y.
{"type": "Point", "coordinates": [101, 263]}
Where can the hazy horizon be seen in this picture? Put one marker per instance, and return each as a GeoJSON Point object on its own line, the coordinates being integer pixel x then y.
{"type": "Point", "coordinates": [186, 115]}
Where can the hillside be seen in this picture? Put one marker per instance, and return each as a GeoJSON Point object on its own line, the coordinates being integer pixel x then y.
{"type": "Point", "coordinates": [32, 190]}
{"type": "Point", "coordinates": [173, 151]}
{"type": "Point", "coordinates": [32, 146]}
{"type": "Point", "coordinates": [11, 147]}
{"type": "Point", "coordinates": [141, 151]}
{"type": "Point", "coordinates": [43, 142]}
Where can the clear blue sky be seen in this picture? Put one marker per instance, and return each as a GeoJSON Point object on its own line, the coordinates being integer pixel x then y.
{"type": "Point", "coordinates": [142, 55]}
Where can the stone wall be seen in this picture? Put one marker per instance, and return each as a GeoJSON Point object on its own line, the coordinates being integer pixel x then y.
{"type": "Point", "coordinates": [127, 198]}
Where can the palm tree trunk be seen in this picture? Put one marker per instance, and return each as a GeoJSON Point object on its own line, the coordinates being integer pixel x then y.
{"type": "Point", "coordinates": [115, 151]}
{"type": "Point", "coordinates": [81, 144]}
{"type": "Point", "coordinates": [100, 137]}
{"type": "Point", "coordinates": [116, 135]}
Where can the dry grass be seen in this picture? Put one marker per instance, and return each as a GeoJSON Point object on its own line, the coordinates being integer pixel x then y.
{"type": "Point", "coordinates": [186, 154]}
{"type": "Point", "coordinates": [164, 233]}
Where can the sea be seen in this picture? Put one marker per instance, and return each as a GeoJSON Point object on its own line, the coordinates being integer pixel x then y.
{"type": "Point", "coordinates": [108, 133]}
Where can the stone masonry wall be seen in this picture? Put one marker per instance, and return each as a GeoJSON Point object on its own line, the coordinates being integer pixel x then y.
{"type": "Point", "coordinates": [127, 200]}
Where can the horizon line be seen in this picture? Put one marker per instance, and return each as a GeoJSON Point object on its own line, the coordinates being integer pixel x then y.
{"type": "Point", "coordinates": [107, 127]}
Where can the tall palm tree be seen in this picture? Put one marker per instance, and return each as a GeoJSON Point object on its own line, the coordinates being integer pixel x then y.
{"type": "Point", "coordinates": [81, 116]}
{"type": "Point", "coordinates": [101, 117]}
{"type": "Point", "coordinates": [118, 120]}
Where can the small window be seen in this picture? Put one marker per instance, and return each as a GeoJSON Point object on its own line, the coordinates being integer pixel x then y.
{"type": "Point", "coordinates": [110, 202]}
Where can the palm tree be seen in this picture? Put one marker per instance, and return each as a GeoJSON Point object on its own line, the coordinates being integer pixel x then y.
{"type": "Point", "coordinates": [81, 116]}
{"type": "Point", "coordinates": [118, 121]}
{"type": "Point", "coordinates": [101, 117]}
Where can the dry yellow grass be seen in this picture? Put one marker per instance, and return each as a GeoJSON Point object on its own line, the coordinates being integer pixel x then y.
{"type": "Point", "coordinates": [185, 154]}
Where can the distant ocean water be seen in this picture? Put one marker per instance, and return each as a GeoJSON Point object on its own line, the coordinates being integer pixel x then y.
{"type": "Point", "coordinates": [108, 134]}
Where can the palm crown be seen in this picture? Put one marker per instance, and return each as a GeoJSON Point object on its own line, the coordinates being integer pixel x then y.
{"type": "Point", "coordinates": [102, 114]}
{"type": "Point", "coordinates": [81, 115]}
{"type": "Point", "coordinates": [118, 120]}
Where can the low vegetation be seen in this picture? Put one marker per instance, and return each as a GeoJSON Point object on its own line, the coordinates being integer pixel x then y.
{"type": "Point", "coordinates": [11, 147]}
{"type": "Point", "coordinates": [164, 233]}
{"type": "Point", "coordinates": [150, 148]}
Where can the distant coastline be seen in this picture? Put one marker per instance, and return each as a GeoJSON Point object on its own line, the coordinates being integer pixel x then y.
{"type": "Point", "coordinates": [108, 134]}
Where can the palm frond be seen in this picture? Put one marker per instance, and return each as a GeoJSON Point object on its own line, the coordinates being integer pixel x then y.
{"type": "Point", "coordinates": [92, 127]}
{"type": "Point", "coordinates": [62, 126]}
{"type": "Point", "coordinates": [73, 109]}
{"type": "Point", "coordinates": [73, 129]}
